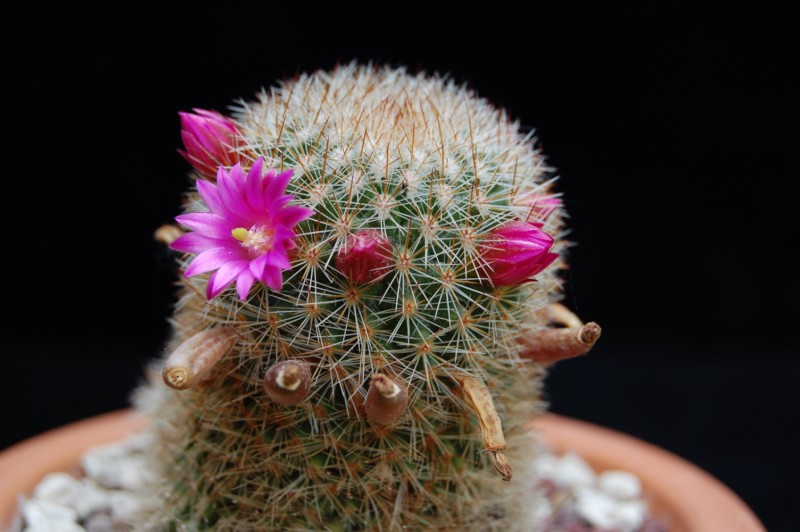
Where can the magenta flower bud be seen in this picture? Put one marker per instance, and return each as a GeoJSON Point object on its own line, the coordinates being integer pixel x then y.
{"type": "Point", "coordinates": [515, 252]}
{"type": "Point", "coordinates": [365, 257]}
{"type": "Point", "coordinates": [541, 206]}
{"type": "Point", "coordinates": [210, 139]}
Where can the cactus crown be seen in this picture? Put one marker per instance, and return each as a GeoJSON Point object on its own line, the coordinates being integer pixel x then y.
{"type": "Point", "coordinates": [422, 166]}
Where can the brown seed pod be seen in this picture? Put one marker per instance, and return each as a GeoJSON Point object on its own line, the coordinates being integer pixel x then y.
{"type": "Point", "coordinates": [193, 360]}
{"type": "Point", "coordinates": [480, 399]}
{"type": "Point", "coordinates": [552, 345]}
{"type": "Point", "coordinates": [288, 382]}
{"type": "Point", "coordinates": [560, 315]}
{"type": "Point", "coordinates": [167, 234]}
{"type": "Point", "coordinates": [386, 400]}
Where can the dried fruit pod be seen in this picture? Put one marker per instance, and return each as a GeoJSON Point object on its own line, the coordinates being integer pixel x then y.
{"type": "Point", "coordinates": [560, 315]}
{"type": "Point", "coordinates": [167, 234]}
{"type": "Point", "coordinates": [288, 382]}
{"type": "Point", "coordinates": [386, 400]}
{"type": "Point", "coordinates": [480, 399]}
{"type": "Point", "coordinates": [552, 345]}
{"type": "Point", "coordinates": [193, 359]}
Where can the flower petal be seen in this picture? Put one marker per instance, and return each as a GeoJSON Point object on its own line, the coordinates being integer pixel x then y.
{"type": "Point", "coordinates": [214, 258]}
{"type": "Point", "coordinates": [279, 258]}
{"type": "Point", "coordinates": [273, 278]}
{"type": "Point", "coordinates": [207, 223]}
{"type": "Point", "coordinates": [223, 277]}
{"type": "Point", "coordinates": [276, 186]}
{"type": "Point", "coordinates": [244, 283]}
{"type": "Point", "coordinates": [208, 192]}
{"type": "Point", "coordinates": [257, 266]}
{"type": "Point", "coordinates": [230, 195]}
{"type": "Point", "coordinates": [194, 243]}
{"type": "Point", "coordinates": [293, 215]}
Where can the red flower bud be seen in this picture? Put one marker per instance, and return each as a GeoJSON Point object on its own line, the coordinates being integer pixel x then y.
{"type": "Point", "coordinates": [365, 257]}
{"type": "Point", "coordinates": [515, 252]}
{"type": "Point", "coordinates": [541, 206]}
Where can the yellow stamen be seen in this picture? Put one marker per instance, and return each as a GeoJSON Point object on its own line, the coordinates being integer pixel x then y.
{"type": "Point", "coordinates": [240, 234]}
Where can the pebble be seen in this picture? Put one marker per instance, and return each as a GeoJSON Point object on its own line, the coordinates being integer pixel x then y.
{"type": "Point", "coordinates": [619, 484]}
{"type": "Point", "coordinates": [597, 508]}
{"type": "Point", "coordinates": [580, 501]}
{"type": "Point", "coordinates": [572, 470]}
{"type": "Point", "coordinates": [575, 498]}
{"type": "Point", "coordinates": [50, 516]}
{"type": "Point", "coordinates": [59, 488]}
{"type": "Point", "coordinates": [115, 467]}
{"type": "Point", "coordinates": [100, 522]}
{"type": "Point", "coordinates": [631, 514]}
{"type": "Point", "coordinates": [124, 506]}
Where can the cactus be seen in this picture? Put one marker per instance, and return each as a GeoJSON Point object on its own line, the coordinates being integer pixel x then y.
{"type": "Point", "coordinates": [379, 369]}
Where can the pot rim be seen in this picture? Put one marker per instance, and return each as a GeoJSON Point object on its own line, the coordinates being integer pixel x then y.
{"type": "Point", "coordinates": [688, 497]}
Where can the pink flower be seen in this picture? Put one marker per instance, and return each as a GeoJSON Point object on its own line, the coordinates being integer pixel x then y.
{"type": "Point", "coordinates": [209, 139]}
{"type": "Point", "coordinates": [247, 232]}
{"type": "Point", "coordinates": [365, 257]}
{"type": "Point", "coordinates": [541, 206]}
{"type": "Point", "coordinates": [515, 252]}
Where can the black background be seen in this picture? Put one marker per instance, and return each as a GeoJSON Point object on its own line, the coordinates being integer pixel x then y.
{"type": "Point", "coordinates": [674, 131]}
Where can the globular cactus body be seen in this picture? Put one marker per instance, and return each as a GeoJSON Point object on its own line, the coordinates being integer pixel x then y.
{"type": "Point", "coordinates": [419, 380]}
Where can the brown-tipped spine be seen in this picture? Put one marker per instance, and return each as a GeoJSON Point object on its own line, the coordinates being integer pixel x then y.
{"type": "Point", "coordinates": [480, 399]}
{"type": "Point", "coordinates": [288, 382]}
{"type": "Point", "coordinates": [193, 360]}
{"type": "Point", "coordinates": [552, 345]}
{"type": "Point", "coordinates": [386, 400]}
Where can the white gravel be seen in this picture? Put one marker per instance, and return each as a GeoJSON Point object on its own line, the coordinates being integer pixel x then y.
{"type": "Point", "coordinates": [103, 501]}
{"type": "Point", "coordinates": [581, 500]}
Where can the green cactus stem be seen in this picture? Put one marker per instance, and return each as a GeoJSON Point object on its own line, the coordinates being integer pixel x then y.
{"type": "Point", "coordinates": [420, 380]}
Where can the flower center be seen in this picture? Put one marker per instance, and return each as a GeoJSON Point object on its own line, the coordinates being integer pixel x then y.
{"type": "Point", "coordinates": [257, 240]}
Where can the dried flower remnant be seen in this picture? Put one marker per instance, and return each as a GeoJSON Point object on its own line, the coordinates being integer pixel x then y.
{"type": "Point", "coordinates": [288, 382]}
{"type": "Point", "coordinates": [386, 400]}
{"type": "Point", "coordinates": [247, 233]}
{"type": "Point", "coordinates": [551, 345]}
{"type": "Point", "coordinates": [194, 359]}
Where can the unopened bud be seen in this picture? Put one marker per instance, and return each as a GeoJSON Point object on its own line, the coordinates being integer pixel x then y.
{"type": "Point", "coordinates": [515, 252]}
{"type": "Point", "coordinates": [365, 257]}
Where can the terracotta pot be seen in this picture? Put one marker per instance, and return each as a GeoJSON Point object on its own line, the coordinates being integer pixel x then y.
{"type": "Point", "coordinates": [690, 499]}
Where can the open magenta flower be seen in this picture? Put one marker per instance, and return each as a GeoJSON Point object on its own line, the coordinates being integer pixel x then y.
{"type": "Point", "coordinates": [515, 252]}
{"type": "Point", "coordinates": [247, 232]}
{"type": "Point", "coordinates": [365, 257]}
{"type": "Point", "coordinates": [210, 139]}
